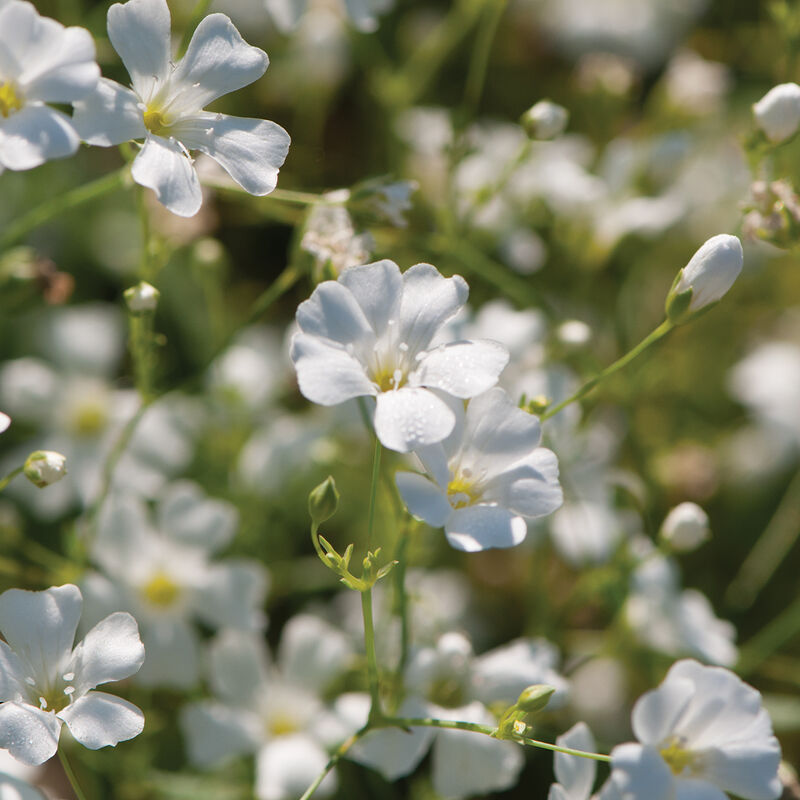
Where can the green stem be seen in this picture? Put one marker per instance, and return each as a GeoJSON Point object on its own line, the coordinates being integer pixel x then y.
{"type": "Point", "coordinates": [73, 781]}
{"type": "Point", "coordinates": [372, 659]}
{"type": "Point", "coordinates": [10, 477]}
{"type": "Point", "coordinates": [770, 639]}
{"type": "Point", "coordinates": [479, 61]}
{"type": "Point", "coordinates": [373, 495]}
{"type": "Point", "coordinates": [662, 330]}
{"type": "Point", "coordinates": [402, 600]}
{"type": "Point", "coordinates": [333, 761]}
{"type": "Point", "coordinates": [59, 203]}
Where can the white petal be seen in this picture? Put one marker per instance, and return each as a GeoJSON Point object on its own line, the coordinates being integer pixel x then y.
{"type": "Point", "coordinates": [16, 789]}
{"type": "Point", "coordinates": [172, 657]}
{"type": "Point", "coordinates": [100, 720]}
{"type": "Point", "coordinates": [34, 135]}
{"type": "Point", "coordinates": [186, 514]}
{"type": "Point", "coordinates": [423, 498]}
{"type": "Point", "coordinates": [239, 666]}
{"type": "Point", "coordinates": [12, 675]}
{"type": "Point", "coordinates": [466, 763]}
{"type": "Point", "coordinates": [333, 312]}
{"type": "Point", "coordinates": [411, 417]}
{"type": "Point", "coordinates": [434, 457]}
{"type": "Point", "coordinates": [313, 652]}
{"type": "Point", "coordinates": [377, 288]}
{"type": "Point", "coordinates": [558, 792]}
{"type": "Point", "coordinates": [123, 533]}
{"type": "Point", "coordinates": [5, 421]}
{"type": "Point", "coordinates": [140, 31]}
{"type": "Point", "coordinates": [699, 790]}
{"type": "Point", "coordinates": [110, 651]}
{"type": "Point", "coordinates": [234, 594]}
{"type": "Point", "coordinates": [641, 774]}
{"type": "Point", "coordinates": [656, 712]}
{"type": "Point", "coordinates": [287, 765]}
{"type": "Point", "coordinates": [462, 369]}
{"type": "Point", "coordinates": [217, 61]}
{"type": "Point", "coordinates": [30, 735]}
{"type": "Point", "coordinates": [214, 733]}
{"type": "Point", "coordinates": [326, 373]}
{"type": "Point", "coordinates": [163, 166]}
{"type": "Point", "coordinates": [574, 773]}
{"type": "Point", "coordinates": [250, 150]}
{"type": "Point", "coordinates": [749, 769]}
{"type": "Point", "coordinates": [109, 115]}
{"type": "Point", "coordinates": [530, 488]}
{"type": "Point", "coordinates": [475, 528]}
{"type": "Point", "coordinates": [429, 300]}
{"type": "Point", "coordinates": [40, 627]}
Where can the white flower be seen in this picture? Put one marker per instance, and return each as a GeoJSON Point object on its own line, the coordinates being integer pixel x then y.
{"type": "Point", "coordinates": [43, 467]}
{"type": "Point", "coordinates": [273, 711]}
{"type": "Point", "coordinates": [15, 778]}
{"type": "Point", "coordinates": [685, 527]}
{"type": "Point", "coordinates": [371, 333]}
{"type": "Point", "coordinates": [702, 733]}
{"type": "Point", "coordinates": [5, 421]}
{"type": "Point", "coordinates": [545, 120]}
{"type": "Point", "coordinates": [486, 477]}
{"type": "Point", "coordinates": [711, 271]}
{"type": "Point", "coordinates": [778, 112]}
{"type": "Point", "coordinates": [576, 774]}
{"type": "Point", "coordinates": [44, 681]}
{"type": "Point", "coordinates": [363, 13]}
{"type": "Point", "coordinates": [41, 62]}
{"type": "Point", "coordinates": [142, 298]}
{"type": "Point", "coordinates": [332, 239]}
{"type": "Point", "coordinates": [165, 106]}
{"type": "Point", "coordinates": [165, 575]}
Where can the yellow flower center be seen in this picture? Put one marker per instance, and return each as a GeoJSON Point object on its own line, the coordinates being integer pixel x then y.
{"type": "Point", "coordinates": [388, 379]}
{"type": "Point", "coordinates": [155, 120]}
{"type": "Point", "coordinates": [89, 419]}
{"type": "Point", "coordinates": [462, 491]}
{"type": "Point", "coordinates": [281, 724]}
{"type": "Point", "coordinates": [10, 101]}
{"type": "Point", "coordinates": [161, 590]}
{"type": "Point", "coordinates": [678, 757]}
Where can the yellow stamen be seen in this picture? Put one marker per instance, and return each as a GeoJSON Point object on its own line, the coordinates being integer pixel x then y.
{"type": "Point", "coordinates": [154, 120]}
{"type": "Point", "coordinates": [161, 590]}
{"type": "Point", "coordinates": [10, 101]}
{"type": "Point", "coordinates": [461, 491]}
{"type": "Point", "coordinates": [89, 419]}
{"type": "Point", "coordinates": [282, 725]}
{"type": "Point", "coordinates": [389, 379]}
{"type": "Point", "coordinates": [678, 757]}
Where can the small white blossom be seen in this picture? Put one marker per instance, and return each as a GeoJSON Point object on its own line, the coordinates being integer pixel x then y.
{"type": "Point", "coordinates": [686, 527]}
{"type": "Point", "coordinates": [778, 112]}
{"type": "Point", "coordinates": [41, 62]}
{"type": "Point", "coordinates": [5, 421]}
{"type": "Point", "coordinates": [44, 681]}
{"type": "Point", "coordinates": [43, 467]}
{"type": "Point", "coordinates": [371, 333]}
{"type": "Point", "coordinates": [142, 298]}
{"type": "Point", "coordinates": [545, 120]}
{"type": "Point", "coordinates": [702, 733]}
{"type": "Point", "coordinates": [165, 106]}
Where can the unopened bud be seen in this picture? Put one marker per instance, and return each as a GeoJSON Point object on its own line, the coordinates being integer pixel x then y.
{"type": "Point", "coordinates": [535, 697]}
{"type": "Point", "coordinates": [142, 298]}
{"type": "Point", "coordinates": [545, 120]}
{"type": "Point", "coordinates": [323, 501]}
{"type": "Point", "coordinates": [43, 467]}
{"type": "Point", "coordinates": [777, 113]}
{"type": "Point", "coordinates": [711, 271]}
{"type": "Point", "coordinates": [685, 527]}
{"type": "Point", "coordinates": [5, 421]}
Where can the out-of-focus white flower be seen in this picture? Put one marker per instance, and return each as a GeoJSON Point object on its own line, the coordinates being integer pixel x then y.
{"type": "Point", "coordinates": [332, 239]}
{"type": "Point", "coordinates": [545, 120]}
{"type": "Point", "coordinates": [165, 575]}
{"type": "Point", "coordinates": [574, 333]}
{"type": "Point", "coordinates": [702, 732]}
{"type": "Point", "coordinates": [15, 779]}
{"type": "Point", "coordinates": [142, 298]}
{"type": "Point", "coordinates": [448, 682]}
{"type": "Point", "coordinates": [274, 711]}
{"type": "Point", "coordinates": [371, 333]}
{"type": "Point", "coordinates": [41, 62]}
{"type": "Point", "coordinates": [46, 682]}
{"type": "Point", "coordinates": [574, 775]}
{"type": "Point", "coordinates": [696, 85]}
{"type": "Point", "coordinates": [43, 467]}
{"type": "Point", "coordinates": [777, 113]}
{"type": "Point", "coordinates": [362, 13]}
{"type": "Point", "coordinates": [586, 531]}
{"type": "Point", "coordinates": [486, 478]}
{"type": "Point", "coordinates": [685, 527]}
{"type": "Point", "coordinates": [711, 271]}
{"type": "Point", "coordinates": [5, 421]}
{"type": "Point", "coordinates": [165, 106]}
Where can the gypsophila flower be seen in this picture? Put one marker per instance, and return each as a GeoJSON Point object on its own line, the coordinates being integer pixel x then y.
{"type": "Point", "coordinates": [41, 62]}
{"type": "Point", "coordinates": [545, 120]}
{"type": "Point", "coordinates": [685, 527]}
{"type": "Point", "coordinates": [5, 421]}
{"type": "Point", "coordinates": [701, 733]}
{"type": "Point", "coordinates": [165, 106]}
{"type": "Point", "coordinates": [778, 112]}
{"type": "Point", "coordinates": [142, 298]}
{"type": "Point", "coordinates": [371, 333]}
{"type": "Point", "coordinates": [486, 478]}
{"type": "Point", "coordinates": [44, 681]}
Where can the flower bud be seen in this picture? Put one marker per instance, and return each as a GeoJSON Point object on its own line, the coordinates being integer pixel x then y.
{"type": "Point", "coordinates": [5, 421]}
{"type": "Point", "coordinates": [711, 271]}
{"type": "Point", "coordinates": [142, 298]}
{"type": "Point", "coordinates": [43, 467]}
{"type": "Point", "coordinates": [777, 113]}
{"type": "Point", "coordinates": [323, 501]}
{"type": "Point", "coordinates": [545, 120]}
{"type": "Point", "coordinates": [535, 697]}
{"type": "Point", "coordinates": [685, 527]}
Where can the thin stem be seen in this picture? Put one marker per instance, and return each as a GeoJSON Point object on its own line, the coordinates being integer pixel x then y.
{"type": "Point", "coordinates": [301, 198]}
{"type": "Point", "coordinates": [402, 600]}
{"type": "Point", "coordinates": [73, 781]}
{"type": "Point", "coordinates": [770, 639]}
{"type": "Point", "coordinates": [372, 659]}
{"type": "Point", "coordinates": [10, 477]}
{"type": "Point", "coordinates": [59, 203]}
{"type": "Point", "coordinates": [333, 761]}
{"type": "Point", "coordinates": [479, 62]}
{"type": "Point", "coordinates": [569, 751]}
{"type": "Point", "coordinates": [662, 330]}
{"type": "Point", "coordinates": [373, 495]}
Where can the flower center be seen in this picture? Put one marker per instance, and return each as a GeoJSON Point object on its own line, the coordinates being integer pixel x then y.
{"type": "Point", "coordinates": [388, 379]}
{"type": "Point", "coordinates": [463, 490]}
{"type": "Point", "coordinates": [281, 724]}
{"type": "Point", "coordinates": [161, 590]}
{"type": "Point", "coordinates": [10, 101]}
{"type": "Point", "coordinates": [678, 757]}
{"type": "Point", "coordinates": [155, 120]}
{"type": "Point", "coordinates": [89, 418]}
{"type": "Point", "coordinates": [56, 697]}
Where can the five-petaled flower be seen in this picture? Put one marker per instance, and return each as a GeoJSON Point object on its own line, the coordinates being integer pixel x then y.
{"type": "Point", "coordinates": [165, 107]}
{"type": "Point", "coordinates": [44, 681]}
{"type": "Point", "coordinates": [371, 333]}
